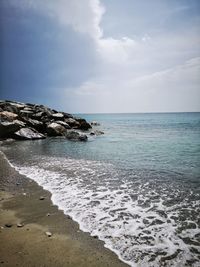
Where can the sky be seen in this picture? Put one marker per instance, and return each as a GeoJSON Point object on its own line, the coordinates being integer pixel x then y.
{"type": "Point", "coordinates": [101, 56]}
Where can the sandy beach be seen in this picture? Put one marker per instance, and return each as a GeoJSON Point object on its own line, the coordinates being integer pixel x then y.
{"type": "Point", "coordinates": [27, 215]}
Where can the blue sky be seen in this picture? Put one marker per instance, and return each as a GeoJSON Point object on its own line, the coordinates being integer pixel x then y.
{"type": "Point", "coordinates": [86, 56]}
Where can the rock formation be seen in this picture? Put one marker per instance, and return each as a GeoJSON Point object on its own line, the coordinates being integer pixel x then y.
{"type": "Point", "coordinates": [30, 121]}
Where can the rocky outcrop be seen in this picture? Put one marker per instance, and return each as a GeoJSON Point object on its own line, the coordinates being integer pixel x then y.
{"type": "Point", "coordinates": [95, 123]}
{"type": "Point", "coordinates": [76, 136]}
{"type": "Point", "coordinates": [31, 121]}
{"type": "Point", "coordinates": [96, 132]}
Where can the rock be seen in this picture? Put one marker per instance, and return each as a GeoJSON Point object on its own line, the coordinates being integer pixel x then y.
{"type": "Point", "coordinates": [96, 132]}
{"type": "Point", "coordinates": [67, 115]}
{"type": "Point", "coordinates": [26, 113]}
{"type": "Point", "coordinates": [95, 123]}
{"type": "Point", "coordinates": [20, 225]}
{"type": "Point", "coordinates": [17, 105]}
{"type": "Point", "coordinates": [8, 107]}
{"type": "Point", "coordinates": [8, 128]}
{"type": "Point", "coordinates": [49, 234]}
{"type": "Point", "coordinates": [83, 124]}
{"type": "Point", "coordinates": [63, 123]}
{"type": "Point", "coordinates": [58, 116]}
{"type": "Point", "coordinates": [42, 198]}
{"type": "Point", "coordinates": [28, 134]}
{"type": "Point", "coordinates": [76, 136]}
{"type": "Point", "coordinates": [31, 121]}
{"type": "Point", "coordinates": [38, 125]}
{"type": "Point", "coordinates": [8, 225]}
{"type": "Point", "coordinates": [55, 129]}
{"type": "Point", "coordinates": [38, 115]}
{"type": "Point", "coordinates": [8, 116]}
{"type": "Point", "coordinates": [72, 122]}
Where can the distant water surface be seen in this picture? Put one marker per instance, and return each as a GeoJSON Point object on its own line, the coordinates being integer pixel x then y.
{"type": "Point", "coordinates": [137, 187]}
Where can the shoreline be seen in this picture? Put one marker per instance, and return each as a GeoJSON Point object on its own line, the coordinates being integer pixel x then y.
{"type": "Point", "coordinates": [28, 244]}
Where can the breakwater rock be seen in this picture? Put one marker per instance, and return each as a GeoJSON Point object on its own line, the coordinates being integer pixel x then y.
{"type": "Point", "coordinates": [22, 121]}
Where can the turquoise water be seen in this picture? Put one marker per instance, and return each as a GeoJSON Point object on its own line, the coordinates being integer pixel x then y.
{"type": "Point", "coordinates": [137, 186]}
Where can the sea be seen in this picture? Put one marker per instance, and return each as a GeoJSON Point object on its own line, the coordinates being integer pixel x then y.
{"type": "Point", "coordinates": [137, 187]}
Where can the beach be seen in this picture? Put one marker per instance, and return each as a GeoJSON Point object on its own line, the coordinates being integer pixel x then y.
{"type": "Point", "coordinates": [29, 214]}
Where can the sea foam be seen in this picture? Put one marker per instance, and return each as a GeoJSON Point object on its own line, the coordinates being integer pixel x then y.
{"type": "Point", "coordinates": [133, 218]}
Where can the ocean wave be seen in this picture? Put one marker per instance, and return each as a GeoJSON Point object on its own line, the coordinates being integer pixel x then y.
{"type": "Point", "coordinates": [146, 223]}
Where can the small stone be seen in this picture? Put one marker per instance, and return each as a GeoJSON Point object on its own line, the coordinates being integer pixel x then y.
{"type": "Point", "coordinates": [48, 214]}
{"type": "Point", "coordinates": [42, 198]}
{"type": "Point", "coordinates": [24, 194]}
{"type": "Point", "coordinates": [20, 225]}
{"type": "Point", "coordinates": [8, 225]}
{"type": "Point", "coordinates": [48, 234]}
{"type": "Point", "coordinates": [17, 183]}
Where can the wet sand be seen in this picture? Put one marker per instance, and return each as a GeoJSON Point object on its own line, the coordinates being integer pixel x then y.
{"type": "Point", "coordinates": [29, 245]}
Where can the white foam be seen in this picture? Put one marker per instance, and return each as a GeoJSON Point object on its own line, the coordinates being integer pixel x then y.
{"type": "Point", "coordinates": [88, 192]}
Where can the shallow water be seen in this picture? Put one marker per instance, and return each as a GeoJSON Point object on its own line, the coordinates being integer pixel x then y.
{"type": "Point", "coordinates": [137, 187]}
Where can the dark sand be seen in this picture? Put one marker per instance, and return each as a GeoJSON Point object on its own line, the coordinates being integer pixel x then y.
{"type": "Point", "coordinates": [29, 245]}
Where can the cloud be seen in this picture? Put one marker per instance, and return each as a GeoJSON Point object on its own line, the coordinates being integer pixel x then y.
{"type": "Point", "coordinates": [83, 16]}
{"type": "Point", "coordinates": [140, 72]}
{"type": "Point", "coordinates": [112, 50]}
{"type": "Point", "coordinates": [173, 89]}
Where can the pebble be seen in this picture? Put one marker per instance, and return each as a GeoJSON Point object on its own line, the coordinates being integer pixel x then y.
{"type": "Point", "coordinates": [42, 198]}
{"type": "Point", "coordinates": [48, 234]}
{"type": "Point", "coordinates": [8, 225]}
{"type": "Point", "coordinates": [20, 225]}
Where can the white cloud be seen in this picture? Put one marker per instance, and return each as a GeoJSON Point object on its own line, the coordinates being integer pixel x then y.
{"type": "Point", "coordinates": [173, 89]}
{"type": "Point", "coordinates": [115, 50]}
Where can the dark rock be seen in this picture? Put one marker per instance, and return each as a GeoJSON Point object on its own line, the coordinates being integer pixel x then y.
{"type": "Point", "coordinates": [95, 123]}
{"type": "Point", "coordinates": [55, 129]}
{"type": "Point", "coordinates": [28, 134]}
{"type": "Point", "coordinates": [96, 132]}
{"type": "Point", "coordinates": [75, 136]}
{"type": "Point", "coordinates": [9, 128]}
{"type": "Point", "coordinates": [38, 125]}
{"type": "Point", "coordinates": [67, 115]}
{"type": "Point", "coordinates": [72, 122]}
{"type": "Point", "coordinates": [83, 124]}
